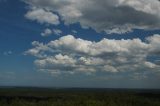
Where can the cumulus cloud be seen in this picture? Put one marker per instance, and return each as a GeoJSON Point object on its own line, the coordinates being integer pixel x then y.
{"type": "Point", "coordinates": [74, 55]}
{"type": "Point", "coordinates": [57, 31]}
{"type": "Point", "coordinates": [38, 50]}
{"type": "Point", "coordinates": [46, 32]}
{"type": "Point", "coordinates": [42, 16]}
{"type": "Point", "coordinates": [110, 16]}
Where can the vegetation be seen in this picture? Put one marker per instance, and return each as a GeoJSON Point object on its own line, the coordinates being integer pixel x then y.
{"type": "Point", "coordinates": [78, 97]}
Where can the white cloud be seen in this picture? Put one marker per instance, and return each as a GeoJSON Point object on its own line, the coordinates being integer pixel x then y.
{"type": "Point", "coordinates": [46, 32]}
{"type": "Point", "coordinates": [42, 16]}
{"type": "Point", "coordinates": [57, 31]}
{"type": "Point", "coordinates": [150, 65]}
{"type": "Point", "coordinates": [98, 48]}
{"type": "Point", "coordinates": [74, 31]}
{"type": "Point", "coordinates": [74, 55]}
{"type": "Point", "coordinates": [38, 50]}
{"type": "Point", "coordinates": [154, 43]}
{"type": "Point", "coordinates": [110, 68]}
{"type": "Point", "coordinates": [111, 16]}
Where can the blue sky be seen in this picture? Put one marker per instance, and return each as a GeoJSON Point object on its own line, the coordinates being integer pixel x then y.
{"type": "Point", "coordinates": [68, 44]}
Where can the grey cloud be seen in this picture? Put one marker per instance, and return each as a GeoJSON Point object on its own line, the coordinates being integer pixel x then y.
{"type": "Point", "coordinates": [111, 16]}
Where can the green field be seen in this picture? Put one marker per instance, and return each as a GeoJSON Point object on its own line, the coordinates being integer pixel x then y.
{"type": "Point", "coordinates": [78, 97]}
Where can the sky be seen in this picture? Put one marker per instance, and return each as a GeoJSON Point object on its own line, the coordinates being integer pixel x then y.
{"type": "Point", "coordinates": [80, 43]}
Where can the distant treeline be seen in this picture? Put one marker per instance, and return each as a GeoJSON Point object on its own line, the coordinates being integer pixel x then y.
{"type": "Point", "coordinates": [31, 96]}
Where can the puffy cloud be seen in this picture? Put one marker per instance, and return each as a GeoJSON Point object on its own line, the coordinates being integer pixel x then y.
{"type": "Point", "coordinates": [111, 16]}
{"type": "Point", "coordinates": [46, 32]}
{"type": "Point", "coordinates": [105, 46]}
{"type": "Point", "coordinates": [57, 31]}
{"type": "Point", "coordinates": [42, 16]}
{"type": "Point", "coordinates": [154, 43]}
{"type": "Point", "coordinates": [57, 62]}
{"type": "Point", "coordinates": [38, 50]}
{"type": "Point", "coordinates": [74, 55]}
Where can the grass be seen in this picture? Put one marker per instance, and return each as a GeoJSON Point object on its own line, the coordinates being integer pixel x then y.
{"type": "Point", "coordinates": [77, 97]}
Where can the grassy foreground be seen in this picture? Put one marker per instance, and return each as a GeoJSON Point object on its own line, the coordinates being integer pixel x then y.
{"type": "Point", "coordinates": [77, 97]}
